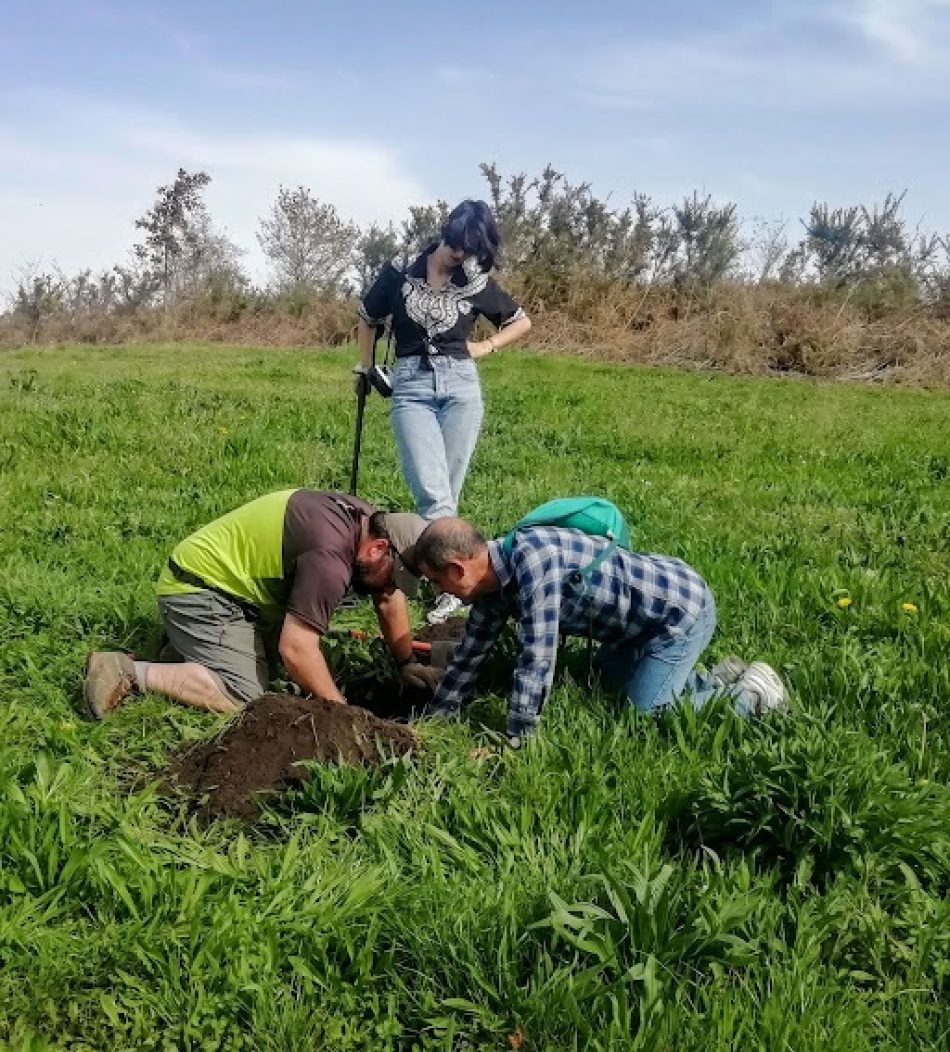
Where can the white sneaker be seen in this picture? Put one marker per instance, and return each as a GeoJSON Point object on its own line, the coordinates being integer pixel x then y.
{"type": "Point", "coordinates": [729, 670]}
{"type": "Point", "coordinates": [446, 606]}
{"type": "Point", "coordinates": [765, 687]}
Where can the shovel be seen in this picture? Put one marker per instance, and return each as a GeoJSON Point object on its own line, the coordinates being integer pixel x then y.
{"type": "Point", "coordinates": [358, 437]}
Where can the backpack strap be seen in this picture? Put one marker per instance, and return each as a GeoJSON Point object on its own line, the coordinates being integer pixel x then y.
{"type": "Point", "coordinates": [508, 542]}
{"type": "Point", "coordinates": [575, 576]}
{"type": "Point", "coordinates": [578, 578]}
{"type": "Point", "coordinates": [581, 575]}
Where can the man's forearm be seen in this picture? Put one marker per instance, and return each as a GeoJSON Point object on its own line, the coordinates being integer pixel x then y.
{"type": "Point", "coordinates": [459, 680]}
{"type": "Point", "coordinates": [310, 672]}
{"type": "Point", "coordinates": [392, 612]}
{"type": "Point", "coordinates": [534, 670]}
{"type": "Point", "coordinates": [527, 698]}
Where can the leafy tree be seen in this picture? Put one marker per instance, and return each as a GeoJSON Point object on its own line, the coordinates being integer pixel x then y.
{"type": "Point", "coordinates": [170, 226]}
{"type": "Point", "coordinates": [554, 230]}
{"type": "Point", "coordinates": [307, 243]}
{"type": "Point", "coordinates": [423, 226]}
{"type": "Point", "coordinates": [376, 247]}
{"type": "Point", "coordinates": [833, 242]}
{"type": "Point", "coordinates": [38, 295]}
{"type": "Point", "coordinates": [209, 260]}
{"type": "Point", "coordinates": [707, 239]}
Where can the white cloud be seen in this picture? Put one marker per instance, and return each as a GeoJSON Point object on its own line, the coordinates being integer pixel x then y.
{"type": "Point", "coordinates": [908, 31]}
{"type": "Point", "coordinates": [787, 57]}
{"type": "Point", "coordinates": [75, 203]}
{"type": "Point", "coordinates": [885, 23]}
{"type": "Point", "coordinates": [362, 179]}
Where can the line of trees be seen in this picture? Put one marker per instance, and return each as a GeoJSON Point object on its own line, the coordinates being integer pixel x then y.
{"type": "Point", "coordinates": [556, 234]}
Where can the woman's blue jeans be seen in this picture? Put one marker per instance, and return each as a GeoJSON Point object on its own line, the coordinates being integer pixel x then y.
{"type": "Point", "coordinates": [436, 415]}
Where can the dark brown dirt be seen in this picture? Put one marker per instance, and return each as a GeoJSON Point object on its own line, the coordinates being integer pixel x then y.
{"type": "Point", "coordinates": [376, 691]}
{"type": "Point", "coordinates": [453, 629]}
{"type": "Point", "coordinates": [259, 752]}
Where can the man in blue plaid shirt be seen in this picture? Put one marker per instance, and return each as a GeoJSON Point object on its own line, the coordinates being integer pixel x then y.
{"type": "Point", "coordinates": [652, 614]}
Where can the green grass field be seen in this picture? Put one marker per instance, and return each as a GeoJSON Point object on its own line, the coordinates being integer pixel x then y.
{"type": "Point", "coordinates": [690, 883]}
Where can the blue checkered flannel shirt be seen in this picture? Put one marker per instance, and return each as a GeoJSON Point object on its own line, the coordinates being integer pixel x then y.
{"type": "Point", "coordinates": [630, 596]}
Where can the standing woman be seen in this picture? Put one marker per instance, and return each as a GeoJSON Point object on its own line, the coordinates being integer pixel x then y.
{"type": "Point", "coordinates": [437, 399]}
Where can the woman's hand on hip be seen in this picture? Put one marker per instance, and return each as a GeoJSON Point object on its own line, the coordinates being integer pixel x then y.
{"type": "Point", "coordinates": [479, 348]}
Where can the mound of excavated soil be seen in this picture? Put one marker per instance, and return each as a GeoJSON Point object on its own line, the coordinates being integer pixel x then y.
{"type": "Point", "coordinates": [259, 752]}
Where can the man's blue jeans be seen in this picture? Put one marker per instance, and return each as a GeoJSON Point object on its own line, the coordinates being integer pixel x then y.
{"type": "Point", "coordinates": [436, 416]}
{"type": "Point", "coordinates": [659, 673]}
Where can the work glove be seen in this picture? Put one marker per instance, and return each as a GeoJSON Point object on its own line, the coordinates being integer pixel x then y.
{"type": "Point", "coordinates": [442, 652]}
{"type": "Point", "coordinates": [420, 677]}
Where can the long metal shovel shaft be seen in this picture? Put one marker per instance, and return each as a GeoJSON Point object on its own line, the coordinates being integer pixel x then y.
{"type": "Point", "coordinates": [358, 437]}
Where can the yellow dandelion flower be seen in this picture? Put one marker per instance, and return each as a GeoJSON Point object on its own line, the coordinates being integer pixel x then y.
{"type": "Point", "coordinates": [845, 601]}
{"type": "Point", "coordinates": [908, 608]}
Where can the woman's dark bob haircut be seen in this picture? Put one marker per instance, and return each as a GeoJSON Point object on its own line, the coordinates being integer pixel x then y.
{"type": "Point", "coordinates": [471, 228]}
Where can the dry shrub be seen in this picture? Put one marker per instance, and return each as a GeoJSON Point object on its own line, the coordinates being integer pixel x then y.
{"type": "Point", "coordinates": [736, 328]}
{"type": "Point", "coordinates": [747, 329]}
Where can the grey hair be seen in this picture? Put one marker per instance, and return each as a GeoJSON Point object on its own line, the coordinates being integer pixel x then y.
{"type": "Point", "coordinates": [447, 539]}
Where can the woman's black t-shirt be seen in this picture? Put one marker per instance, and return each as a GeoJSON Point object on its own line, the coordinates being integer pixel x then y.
{"type": "Point", "coordinates": [432, 321]}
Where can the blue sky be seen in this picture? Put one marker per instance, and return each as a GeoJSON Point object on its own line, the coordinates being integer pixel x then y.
{"type": "Point", "coordinates": [378, 105]}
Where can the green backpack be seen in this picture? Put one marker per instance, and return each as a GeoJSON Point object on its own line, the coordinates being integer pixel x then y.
{"type": "Point", "coordinates": [593, 515]}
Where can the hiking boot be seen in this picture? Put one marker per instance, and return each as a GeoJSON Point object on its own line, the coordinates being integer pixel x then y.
{"type": "Point", "coordinates": [446, 606]}
{"type": "Point", "coordinates": [765, 688]}
{"type": "Point", "coordinates": [110, 679]}
{"type": "Point", "coordinates": [729, 670]}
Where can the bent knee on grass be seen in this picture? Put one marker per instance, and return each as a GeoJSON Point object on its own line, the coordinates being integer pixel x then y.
{"type": "Point", "coordinates": [191, 684]}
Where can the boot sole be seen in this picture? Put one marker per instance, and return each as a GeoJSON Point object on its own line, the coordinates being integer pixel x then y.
{"type": "Point", "coordinates": [90, 710]}
{"type": "Point", "coordinates": [120, 693]}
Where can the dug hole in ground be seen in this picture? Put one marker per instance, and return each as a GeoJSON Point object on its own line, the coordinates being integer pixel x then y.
{"type": "Point", "coordinates": [261, 750]}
